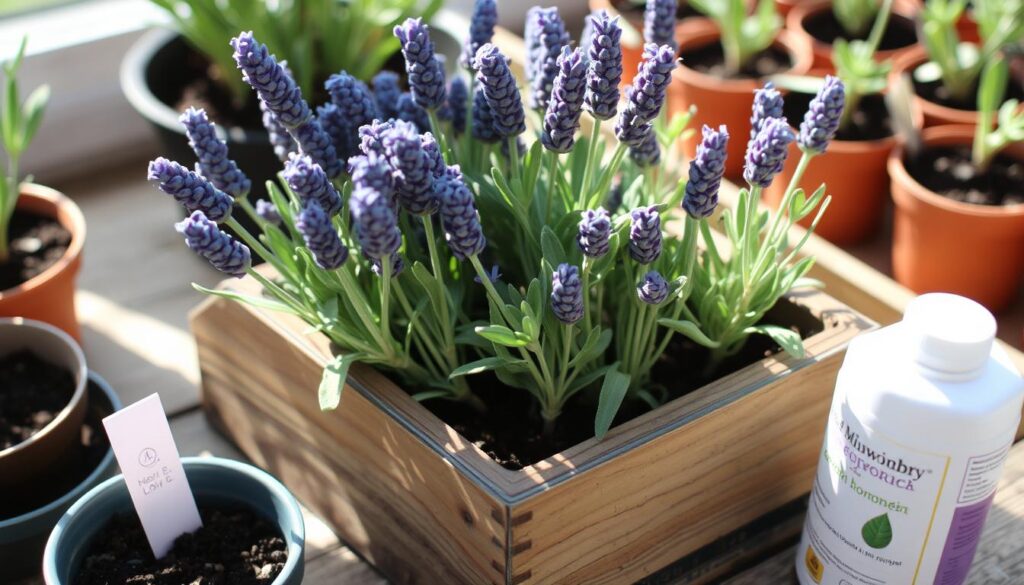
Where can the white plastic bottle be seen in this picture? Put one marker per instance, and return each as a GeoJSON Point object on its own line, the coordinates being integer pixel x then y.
{"type": "Point", "coordinates": [922, 420]}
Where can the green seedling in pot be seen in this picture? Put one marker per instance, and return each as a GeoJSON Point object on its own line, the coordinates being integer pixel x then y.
{"type": "Point", "coordinates": [856, 16]}
{"type": "Point", "coordinates": [743, 35]}
{"type": "Point", "coordinates": [1000, 124]}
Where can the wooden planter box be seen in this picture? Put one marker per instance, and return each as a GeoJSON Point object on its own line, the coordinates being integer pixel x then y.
{"type": "Point", "coordinates": [426, 506]}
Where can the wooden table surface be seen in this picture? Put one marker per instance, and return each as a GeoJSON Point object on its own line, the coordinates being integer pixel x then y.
{"type": "Point", "coordinates": [134, 294]}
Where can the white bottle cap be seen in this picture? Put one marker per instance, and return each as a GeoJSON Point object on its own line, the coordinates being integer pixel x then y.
{"type": "Point", "coordinates": [949, 333]}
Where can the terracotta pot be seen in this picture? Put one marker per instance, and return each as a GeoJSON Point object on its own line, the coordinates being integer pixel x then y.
{"type": "Point", "coordinates": [22, 463]}
{"type": "Point", "coordinates": [821, 51]}
{"type": "Point", "coordinates": [784, 7]}
{"type": "Point", "coordinates": [721, 101]}
{"type": "Point", "coordinates": [944, 245]}
{"type": "Point", "coordinates": [50, 296]}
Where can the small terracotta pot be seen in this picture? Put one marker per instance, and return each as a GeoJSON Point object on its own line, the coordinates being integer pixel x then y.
{"type": "Point", "coordinates": [941, 245]}
{"type": "Point", "coordinates": [784, 7]}
{"type": "Point", "coordinates": [721, 101]}
{"type": "Point", "coordinates": [822, 52]}
{"type": "Point", "coordinates": [933, 114]}
{"type": "Point", "coordinates": [50, 296]}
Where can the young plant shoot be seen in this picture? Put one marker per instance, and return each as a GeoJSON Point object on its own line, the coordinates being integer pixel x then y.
{"type": "Point", "coordinates": [855, 16]}
{"type": "Point", "coordinates": [743, 35]}
{"type": "Point", "coordinates": [1000, 124]}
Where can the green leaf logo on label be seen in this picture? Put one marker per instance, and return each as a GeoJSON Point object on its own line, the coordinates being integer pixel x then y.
{"type": "Point", "coordinates": [877, 532]}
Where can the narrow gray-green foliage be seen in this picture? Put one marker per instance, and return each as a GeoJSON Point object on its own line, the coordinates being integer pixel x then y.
{"type": "Point", "coordinates": [743, 35]}
{"type": "Point", "coordinates": [855, 16]}
{"type": "Point", "coordinates": [1000, 123]}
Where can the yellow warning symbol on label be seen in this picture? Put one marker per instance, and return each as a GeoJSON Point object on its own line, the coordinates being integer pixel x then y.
{"type": "Point", "coordinates": [814, 566]}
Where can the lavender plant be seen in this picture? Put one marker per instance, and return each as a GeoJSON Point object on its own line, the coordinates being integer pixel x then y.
{"type": "Point", "coordinates": [743, 35]}
{"type": "Point", "coordinates": [1000, 124]}
{"type": "Point", "coordinates": [488, 245]}
{"type": "Point", "coordinates": [855, 16]}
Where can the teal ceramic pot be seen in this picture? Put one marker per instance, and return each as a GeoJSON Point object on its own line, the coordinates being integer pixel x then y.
{"type": "Point", "coordinates": [214, 482]}
{"type": "Point", "coordinates": [23, 537]}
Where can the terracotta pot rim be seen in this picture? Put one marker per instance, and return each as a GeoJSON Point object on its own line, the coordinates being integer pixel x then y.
{"type": "Point", "coordinates": [703, 31]}
{"type": "Point", "coordinates": [938, 135]}
{"type": "Point", "coordinates": [74, 223]}
{"type": "Point", "coordinates": [802, 10]}
{"type": "Point", "coordinates": [909, 62]}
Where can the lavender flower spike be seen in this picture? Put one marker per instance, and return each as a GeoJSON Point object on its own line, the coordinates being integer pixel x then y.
{"type": "Point", "coordinates": [604, 73]}
{"type": "Point", "coordinates": [413, 169]}
{"type": "Point", "coordinates": [409, 111]}
{"type": "Point", "coordinates": [767, 152]}
{"type": "Point", "coordinates": [222, 251]}
{"type": "Point", "coordinates": [531, 38]}
{"type": "Point", "coordinates": [562, 119]}
{"type": "Point", "coordinates": [267, 212]}
{"type": "Point", "coordinates": [459, 218]}
{"type": "Point", "coordinates": [271, 81]}
{"type": "Point", "coordinates": [320, 236]}
{"type": "Point", "coordinates": [567, 294]}
{"type": "Point", "coordinates": [660, 23]}
{"type": "Point", "coordinates": [645, 235]}
{"type": "Point", "coordinates": [481, 29]}
{"type": "Point", "coordinates": [280, 139]}
{"type": "Point", "coordinates": [767, 104]}
{"type": "Point", "coordinates": [483, 119]}
{"type": "Point", "coordinates": [701, 195]}
{"type": "Point", "coordinates": [371, 136]}
{"type": "Point", "coordinates": [376, 224]}
{"type": "Point", "coordinates": [426, 74]}
{"type": "Point", "coordinates": [314, 141]}
{"type": "Point", "coordinates": [594, 231]}
{"type": "Point", "coordinates": [458, 102]}
{"type": "Point", "coordinates": [386, 90]}
{"type": "Point", "coordinates": [310, 183]}
{"type": "Point", "coordinates": [352, 105]}
{"type": "Point", "coordinates": [822, 118]}
{"type": "Point", "coordinates": [551, 37]}
{"type": "Point", "coordinates": [190, 190]}
{"type": "Point", "coordinates": [647, 153]}
{"type": "Point", "coordinates": [344, 136]}
{"type": "Point", "coordinates": [653, 289]}
{"type": "Point", "coordinates": [371, 171]}
{"type": "Point", "coordinates": [499, 87]}
{"type": "Point", "coordinates": [646, 96]}
{"type": "Point", "coordinates": [212, 153]}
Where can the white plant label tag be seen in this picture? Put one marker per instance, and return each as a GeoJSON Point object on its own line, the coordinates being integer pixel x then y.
{"type": "Point", "coordinates": [145, 451]}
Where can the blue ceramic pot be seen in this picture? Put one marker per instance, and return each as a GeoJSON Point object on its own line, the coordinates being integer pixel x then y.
{"type": "Point", "coordinates": [214, 481]}
{"type": "Point", "coordinates": [23, 537]}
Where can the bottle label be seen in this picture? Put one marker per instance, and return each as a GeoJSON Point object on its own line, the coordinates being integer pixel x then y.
{"type": "Point", "coordinates": [882, 513]}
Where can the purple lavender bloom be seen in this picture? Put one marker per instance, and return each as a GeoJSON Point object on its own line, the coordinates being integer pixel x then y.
{"type": "Point", "coordinates": [458, 102]}
{"type": "Point", "coordinates": [413, 169]}
{"type": "Point", "coordinates": [268, 212]}
{"type": "Point", "coordinates": [397, 265]}
{"type": "Point", "coordinates": [344, 136]}
{"type": "Point", "coordinates": [271, 81]}
{"type": "Point", "coordinates": [604, 73]}
{"type": "Point", "coordinates": [309, 182]}
{"type": "Point", "coordinates": [459, 218]}
{"type": "Point", "coordinates": [191, 190]}
{"type": "Point", "coordinates": [483, 119]}
{"type": "Point", "coordinates": [645, 235]}
{"type": "Point", "coordinates": [426, 74]}
{"type": "Point", "coordinates": [375, 222]}
{"type": "Point", "coordinates": [531, 38]}
{"type": "Point", "coordinates": [767, 152]}
{"type": "Point", "coordinates": [212, 153]}
{"type": "Point", "coordinates": [499, 87]}
{"type": "Point", "coordinates": [653, 289]}
{"type": "Point", "coordinates": [371, 136]}
{"type": "Point", "coordinates": [562, 119]}
{"type": "Point", "coordinates": [822, 118]}
{"type": "Point", "coordinates": [320, 236]}
{"type": "Point", "coordinates": [386, 89]}
{"type": "Point", "coordinates": [706, 169]}
{"type": "Point", "coordinates": [353, 98]}
{"type": "Point", "coordinates": [614, 199]}
{"type": "Point", "coordinates": [647, 153]}
{"type": "Point", "coordinates": [594, 231]}
{"type": "Point", "coordinates": [767, 104]}
{"type": "Point", "coordinates": [371, 171]}
{"type": "Point", "coordinates": [280, 139]}
{"type": "Point", "coordinates": [433, 150]}
{"type": "Point", "coordinates": [552, 36]}
{"type": "Point", "coordinates": [408, 111]}
{"type": "Point", "coordinates": [481, 29]}
{"type": "Point", "coordinates": [646, 96]}
{"type": "Point", "coordinates": [567, 294]}
{"type": "Point", "coordinates": [660, 23]}
{"type": "Point", "coordinates": [222, 251]}
{"type": "Point", "coordinates": [314, 141]}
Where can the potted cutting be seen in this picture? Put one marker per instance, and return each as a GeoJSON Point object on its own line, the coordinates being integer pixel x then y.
{"type": "Point", "coordinates": [492, 330]}
{"type": "Point", "coordinates": [947, 69]}
{"type": "Point", "coordinates": [41, 231]}
{"type": "Point", "coordinates": [819, 24]}
{"type": "Point", "coordinates": [252, 532]}
{"type": "Point", "coordinates": [855, 165]}
{"type": "Point", "coordinates": [52, 449]}
{"type": "Point", "coordinates": [724, 59]}
{"type": "Point", "coordinates": [964, 181]}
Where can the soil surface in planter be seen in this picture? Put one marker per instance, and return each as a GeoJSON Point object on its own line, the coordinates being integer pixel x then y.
{"type": "Point", "coordinates": [32, 393]}
{"type": "Point", "coordinates": [37, 242]}
{"type": "Point", "coordinates": [684, 9]}
{"type": "Point", "coordinates": [871, 121]}
{"type": "Point", "coordinates": [935, 92]}
{"type": "Point", "coordinates": [500, 432]}
{"type": "Point", "coordinates": [824, 27]}
{"type": "Point", "coordinates": [949, 171]}
{"type": "Point", "coordinates": [47, 488]}
{"type": "Point", "coordinates": [234, 547]}
{"type": "Point", "coordinates": [710, 60]}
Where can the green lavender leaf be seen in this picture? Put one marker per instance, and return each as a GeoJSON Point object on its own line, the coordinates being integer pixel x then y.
{"type": "Point", "coordinates": [613, 390]}
{"type": "Point", "coordinates": [788, 339]}
{"type": "Point", "coordinates": [333, 380]}
{"type": "Point", "coordinates": [689, 329]}
{"type": "Point", "coordinates": [483, 365]}
{"type": "Point", "coordinates": [877, 532]}
{"type": "Point", "coordinates": [502, 336]}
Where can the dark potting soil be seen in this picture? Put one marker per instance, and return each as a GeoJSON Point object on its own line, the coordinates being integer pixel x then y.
{"type": "Point", "coordinates": [500, 431]}
{"type": "Point", "coordinates": [684, 9]}
{"type": "Point", "coordinates": [234, 547]}
{"type": "Point", "coordinates": [871, 121]}
{"type": "Point", "coordinates": [710, 60]}
{"type": "Point", "coordinates": [824, 27]}
{"type": "Point", "coordinates": [37, 242]}
{"type": "Point", "coordinates": [935, 92]}
{"type": "Point", "coordinates": [949, 172]}
{"type": "Point", "coordinates": [45, 489]}
{"type": "Point", "coordinates": [32, 393]}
